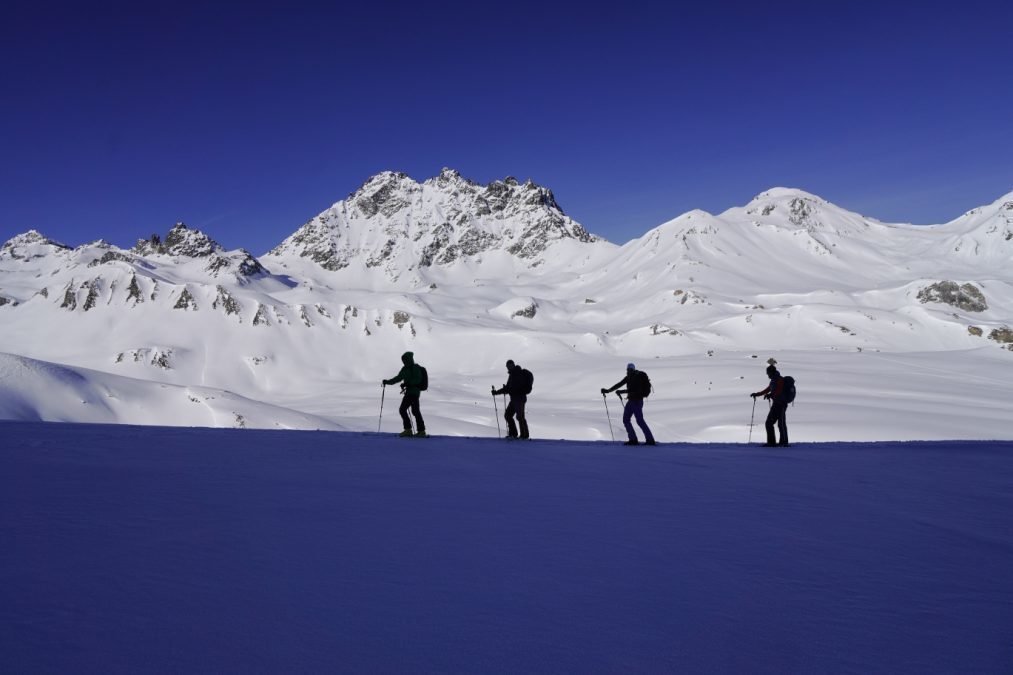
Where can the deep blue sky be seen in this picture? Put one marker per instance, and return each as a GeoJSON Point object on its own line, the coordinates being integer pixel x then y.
{"type": "Point", "coordinates": [245, 121]}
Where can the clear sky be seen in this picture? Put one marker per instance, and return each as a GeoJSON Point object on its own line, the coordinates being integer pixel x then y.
{"type": "Point", "coordinates": [247, 119]}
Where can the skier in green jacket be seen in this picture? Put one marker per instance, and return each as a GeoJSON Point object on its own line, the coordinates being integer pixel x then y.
{"type": "Point", "coordinates": [412, 382]}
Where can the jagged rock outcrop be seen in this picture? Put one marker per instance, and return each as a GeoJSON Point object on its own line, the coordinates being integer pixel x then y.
{"type": "Point", "coordinates": [261, 318]}
{"type": "Point", "coordinates": [93, 286]}
{"type": "Point", "coordinates": [966, 297]}
{"type": "Point", "coordinates": [186, 301]}
{"type": "Point", "coordinates": [183, 243]}
{"type": "Point", "coordinates": [227, 303]}
{"type": "Point", "coordinates": [154, 356]}
{"type": "Point", "coordinates": [527, 312]}
{"type": "Point", "coordinates": [69, 297]}
{"type": "Point", "coordinates": [1003, 336]}
{"type": "Point", "coordinates": [111, 256]}
{"type": "Point", "coordinates": [134, 291]}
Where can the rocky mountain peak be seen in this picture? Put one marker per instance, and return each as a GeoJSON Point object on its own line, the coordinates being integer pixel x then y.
{"type": "Point", "coordinates": [451, 177]}
{"type": "Point", "coordinates": [30, 244]}
{"type": "Point", "coordinates": [395, 223]}
{"type": "Point", "coordinates": [181, 241]}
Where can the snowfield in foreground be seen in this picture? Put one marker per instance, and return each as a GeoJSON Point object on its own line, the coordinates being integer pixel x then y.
{"type": "Point", "coordinates": [150, 549]}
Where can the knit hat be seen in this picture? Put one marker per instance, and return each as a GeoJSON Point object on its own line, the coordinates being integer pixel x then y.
{"type": "Point", "coordinates": [630, 366]}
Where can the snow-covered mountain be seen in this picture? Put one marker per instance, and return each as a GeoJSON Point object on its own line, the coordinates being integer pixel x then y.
{"type": "Point", "coordinates": [409, 232]}
{"type": "Point", "coordinates": [468, 275]}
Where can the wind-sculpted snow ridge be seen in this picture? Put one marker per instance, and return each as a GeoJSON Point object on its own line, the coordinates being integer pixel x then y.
{"type": "Point", "coordinates": [468, 275]}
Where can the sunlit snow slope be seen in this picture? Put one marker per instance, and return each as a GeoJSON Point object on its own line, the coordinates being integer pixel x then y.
{"type": "Point", "coordinates": [893, 331]}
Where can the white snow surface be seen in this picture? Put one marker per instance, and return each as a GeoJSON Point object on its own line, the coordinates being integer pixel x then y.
{"type": "Point", "coordinates": [37, 390]}
{"type": "Point", "coordinates": [468, 276]}
{"type": "Point", "coordinates": [150, 549]}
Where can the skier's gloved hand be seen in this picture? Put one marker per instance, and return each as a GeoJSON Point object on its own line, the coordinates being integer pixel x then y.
{"type": "Point", "coordinates": [754, 394]}
{"type": "Point", "coordinates": [604, 391]}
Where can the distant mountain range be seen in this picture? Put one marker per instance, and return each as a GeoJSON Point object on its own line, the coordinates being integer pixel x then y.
{"type": "Point", "coordinates": [466, 269]}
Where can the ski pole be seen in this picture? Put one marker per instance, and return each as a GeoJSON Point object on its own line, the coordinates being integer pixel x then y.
{"type": "Point", "coordinates": [605, 401]}
{"type": "Point", "coordinates": [751, 416]}
{"type": "Point", "coordinates": [499, 434]}
{"type": "Point", "coordinates": [379, 421]}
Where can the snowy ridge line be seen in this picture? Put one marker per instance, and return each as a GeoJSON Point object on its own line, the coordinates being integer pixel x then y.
{"type": "Point", "coordinates": [467, 276]}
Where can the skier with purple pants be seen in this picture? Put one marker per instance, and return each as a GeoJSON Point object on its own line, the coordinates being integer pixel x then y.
{"type": "Point", "coordinates": [638, 387]}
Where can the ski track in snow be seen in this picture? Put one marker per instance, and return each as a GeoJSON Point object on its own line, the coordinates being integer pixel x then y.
{"type": "Point", "coordinates": [151, 549]}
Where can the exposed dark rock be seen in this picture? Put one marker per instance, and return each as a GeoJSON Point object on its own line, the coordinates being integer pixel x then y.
{"type": "Point", "coordinates": [966, 297]}
{"type": "Point", "coordinates": [186, 301]}
{"type": "Point", "coordinates": [227, 302]}
{"type": "Point", "coordinates": [69, 298]}
{"type": "Point", "coordinates": [381, 196]}
{"type": "Point", "coordinates": [528, 312]}
{"type": "Point", "coordinates": [401, 318]}
{"type": "Point", "coordinates": [111, 256]}
{"type": "Point", "coordinates": [261, 318]}
{"type": "Point", "coordinates": [975, 331]}
{"type": "Point", "coordinates": [162, 359]}
{"type": "Point", "coordinates": [801, 211]}
{"type": "Point", "coordinates": [93, 289]}
{"type": "Point", "coordinates": [843, 329]}
{"type": "Point", "coordinates": [304, 315]}
{"type": "Point", "coordinates": [440, 240]}
{"type": "Point", "coordinates": [250, 266]}
{"type": "Point", "coordinates": [182, 241]}
{"type": "Point", "coordinates": [1003, 336]}
{"type": "Point", "coordinates": [383, 255]}
{"type": "Point", "coordinates": [134, 291]}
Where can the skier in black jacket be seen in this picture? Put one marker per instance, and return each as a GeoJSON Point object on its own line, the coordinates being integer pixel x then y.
{"type": "Point", "coordinates": [516, 387]}
{"type": "Point", "coordinates": [775, 393]}
{"type": "Point", "coordinates": [634, 404]}
{"type": "Point", "coordinates": [410, 376]}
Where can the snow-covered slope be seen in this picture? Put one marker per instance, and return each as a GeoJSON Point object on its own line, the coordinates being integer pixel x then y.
{"type": "Point", "coordinates": [37, 390]}
{"type": "Point", "coordinates": [132, 550]}
{"type": "Point", "coordinates": [467, 276]}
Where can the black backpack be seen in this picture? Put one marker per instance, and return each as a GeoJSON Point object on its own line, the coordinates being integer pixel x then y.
{"type": "Point", "coordinates": [423, 378]}
{"type": "Point", "coordinates": [788, 391]}
{"type": "Point", "coordinates": [640, 384]}
{"type": "Point", "coordinates": [527, 381]}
